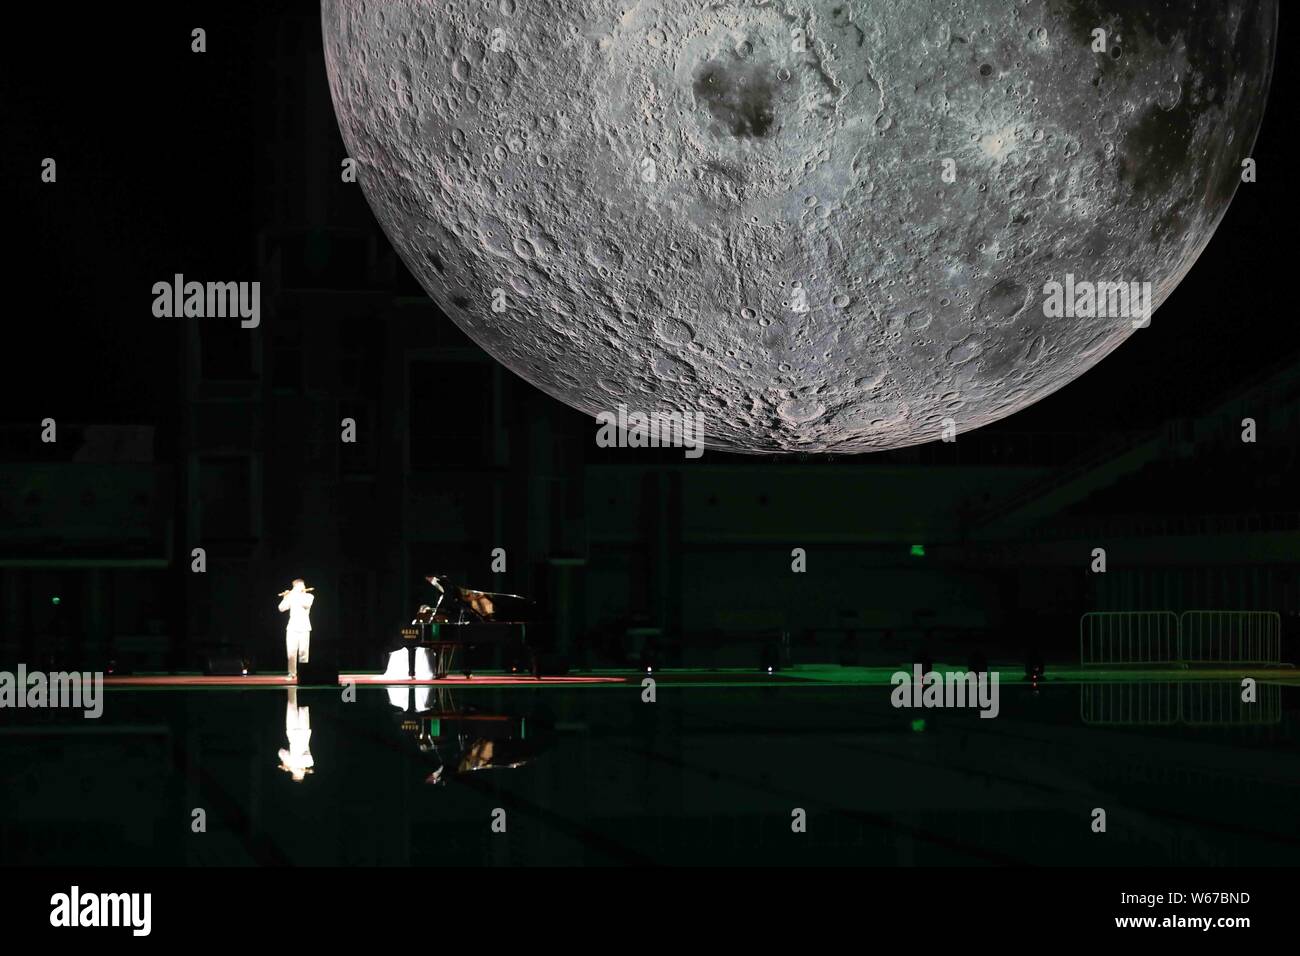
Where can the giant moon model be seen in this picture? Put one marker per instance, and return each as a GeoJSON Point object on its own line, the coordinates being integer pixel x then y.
{"type": "Point", "coordinates": [825, 225]}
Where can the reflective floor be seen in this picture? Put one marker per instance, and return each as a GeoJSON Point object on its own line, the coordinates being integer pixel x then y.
{"type": "Point", "coordinates": [1185, 773]}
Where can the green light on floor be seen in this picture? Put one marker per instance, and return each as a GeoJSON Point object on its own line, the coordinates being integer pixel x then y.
{"type": "Point", "coordinates": [918, 551]}
{"type": "Point", "coordinates": [54, 600]}
{"type": "Point", "coordinates": [918, 724]}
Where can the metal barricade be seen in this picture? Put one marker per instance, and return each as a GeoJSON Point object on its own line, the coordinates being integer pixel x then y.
{"type": "Point", "coordinates": [1230, 637]}
{"type": "Point", "coordinates": [1128, 637]}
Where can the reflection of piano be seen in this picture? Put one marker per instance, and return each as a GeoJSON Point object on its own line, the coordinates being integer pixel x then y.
{"type": "Point", "coordinates": [454, 740]}
{"type": "Point", "coordinates": [458, 623]}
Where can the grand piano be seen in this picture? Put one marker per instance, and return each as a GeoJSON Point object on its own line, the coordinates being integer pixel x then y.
{"type": "Point", "coordinates": [459, 624]}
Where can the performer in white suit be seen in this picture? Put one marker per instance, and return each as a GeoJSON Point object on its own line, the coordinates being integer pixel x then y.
{"type": "Point", "coordinates": [296, 758]}
{"type": "Point", "coordinates": [297, 633]}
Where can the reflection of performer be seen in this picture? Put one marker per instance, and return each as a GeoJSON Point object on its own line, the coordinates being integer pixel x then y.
{"type": "Point", "coordinates": [297, 633]}
{"type": "Point", "coordinates": [472, 753]}
{"type": "Point", "coordinates": [297, 758]}
{"type": "Point", "coordinates": [485, 754]}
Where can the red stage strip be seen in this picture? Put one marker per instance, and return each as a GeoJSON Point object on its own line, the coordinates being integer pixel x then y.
{"type": "Point", "coordinates": [197, 680]}
{"type": "Point", "coordinates": [272, 680]}
{"type": "Point", "coordinates": [488, 679]}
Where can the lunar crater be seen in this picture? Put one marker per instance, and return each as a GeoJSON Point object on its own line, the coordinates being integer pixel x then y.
{"type": "Point", "coordinates": [738, 96]}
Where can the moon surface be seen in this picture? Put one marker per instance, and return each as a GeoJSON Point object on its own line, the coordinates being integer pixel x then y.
{"type": "Point", "coordinates": [823, 226]}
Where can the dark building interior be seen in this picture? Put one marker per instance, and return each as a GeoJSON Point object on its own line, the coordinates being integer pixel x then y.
{"type": "Point", "coordinates": [207, 435]}
{"type": "Point", "coordinates": [179, 434]}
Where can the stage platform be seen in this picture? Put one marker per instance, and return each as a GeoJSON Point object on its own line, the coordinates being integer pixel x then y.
{"type": "Point", "coordinates": [812, 676]}
{"type": "Point", "coordinates": [371, 680]}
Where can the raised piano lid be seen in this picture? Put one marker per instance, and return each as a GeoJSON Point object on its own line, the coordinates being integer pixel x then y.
{"type": "Point", "coordinates": [496, 606]}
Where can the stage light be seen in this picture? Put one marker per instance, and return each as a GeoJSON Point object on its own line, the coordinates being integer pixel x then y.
{"type": "Point", "coordinates": [55, 600]}
{"type": "Point", "coordinates": [918, 551]}
{"type": "Point", "coordinates": [918, 724]}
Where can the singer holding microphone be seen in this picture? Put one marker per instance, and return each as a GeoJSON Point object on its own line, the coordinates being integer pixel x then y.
{"type": "Point", "coordinates": [297, 633]}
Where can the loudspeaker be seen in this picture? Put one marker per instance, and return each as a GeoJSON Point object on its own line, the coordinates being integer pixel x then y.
{"type": "Point", "coordinates": [318, 672]}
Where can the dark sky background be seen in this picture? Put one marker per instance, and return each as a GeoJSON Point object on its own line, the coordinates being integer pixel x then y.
{"type": "Point", "coordinates": [160, 170]}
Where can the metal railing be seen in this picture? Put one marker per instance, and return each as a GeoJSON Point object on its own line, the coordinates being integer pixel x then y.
{"type": "Point", "coordinates": [1155, 704]}
{"type": "Point", "coordinates": [1230, 637]}
{"type": "Point", "coordinates": [1219, 704]}
{"type": "Point", "coordinates": [1193, 637]}
{"type": "Point", "coordinates": [1128, 637]}
{"type": "Point", "coordinates": [1199, 703]}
